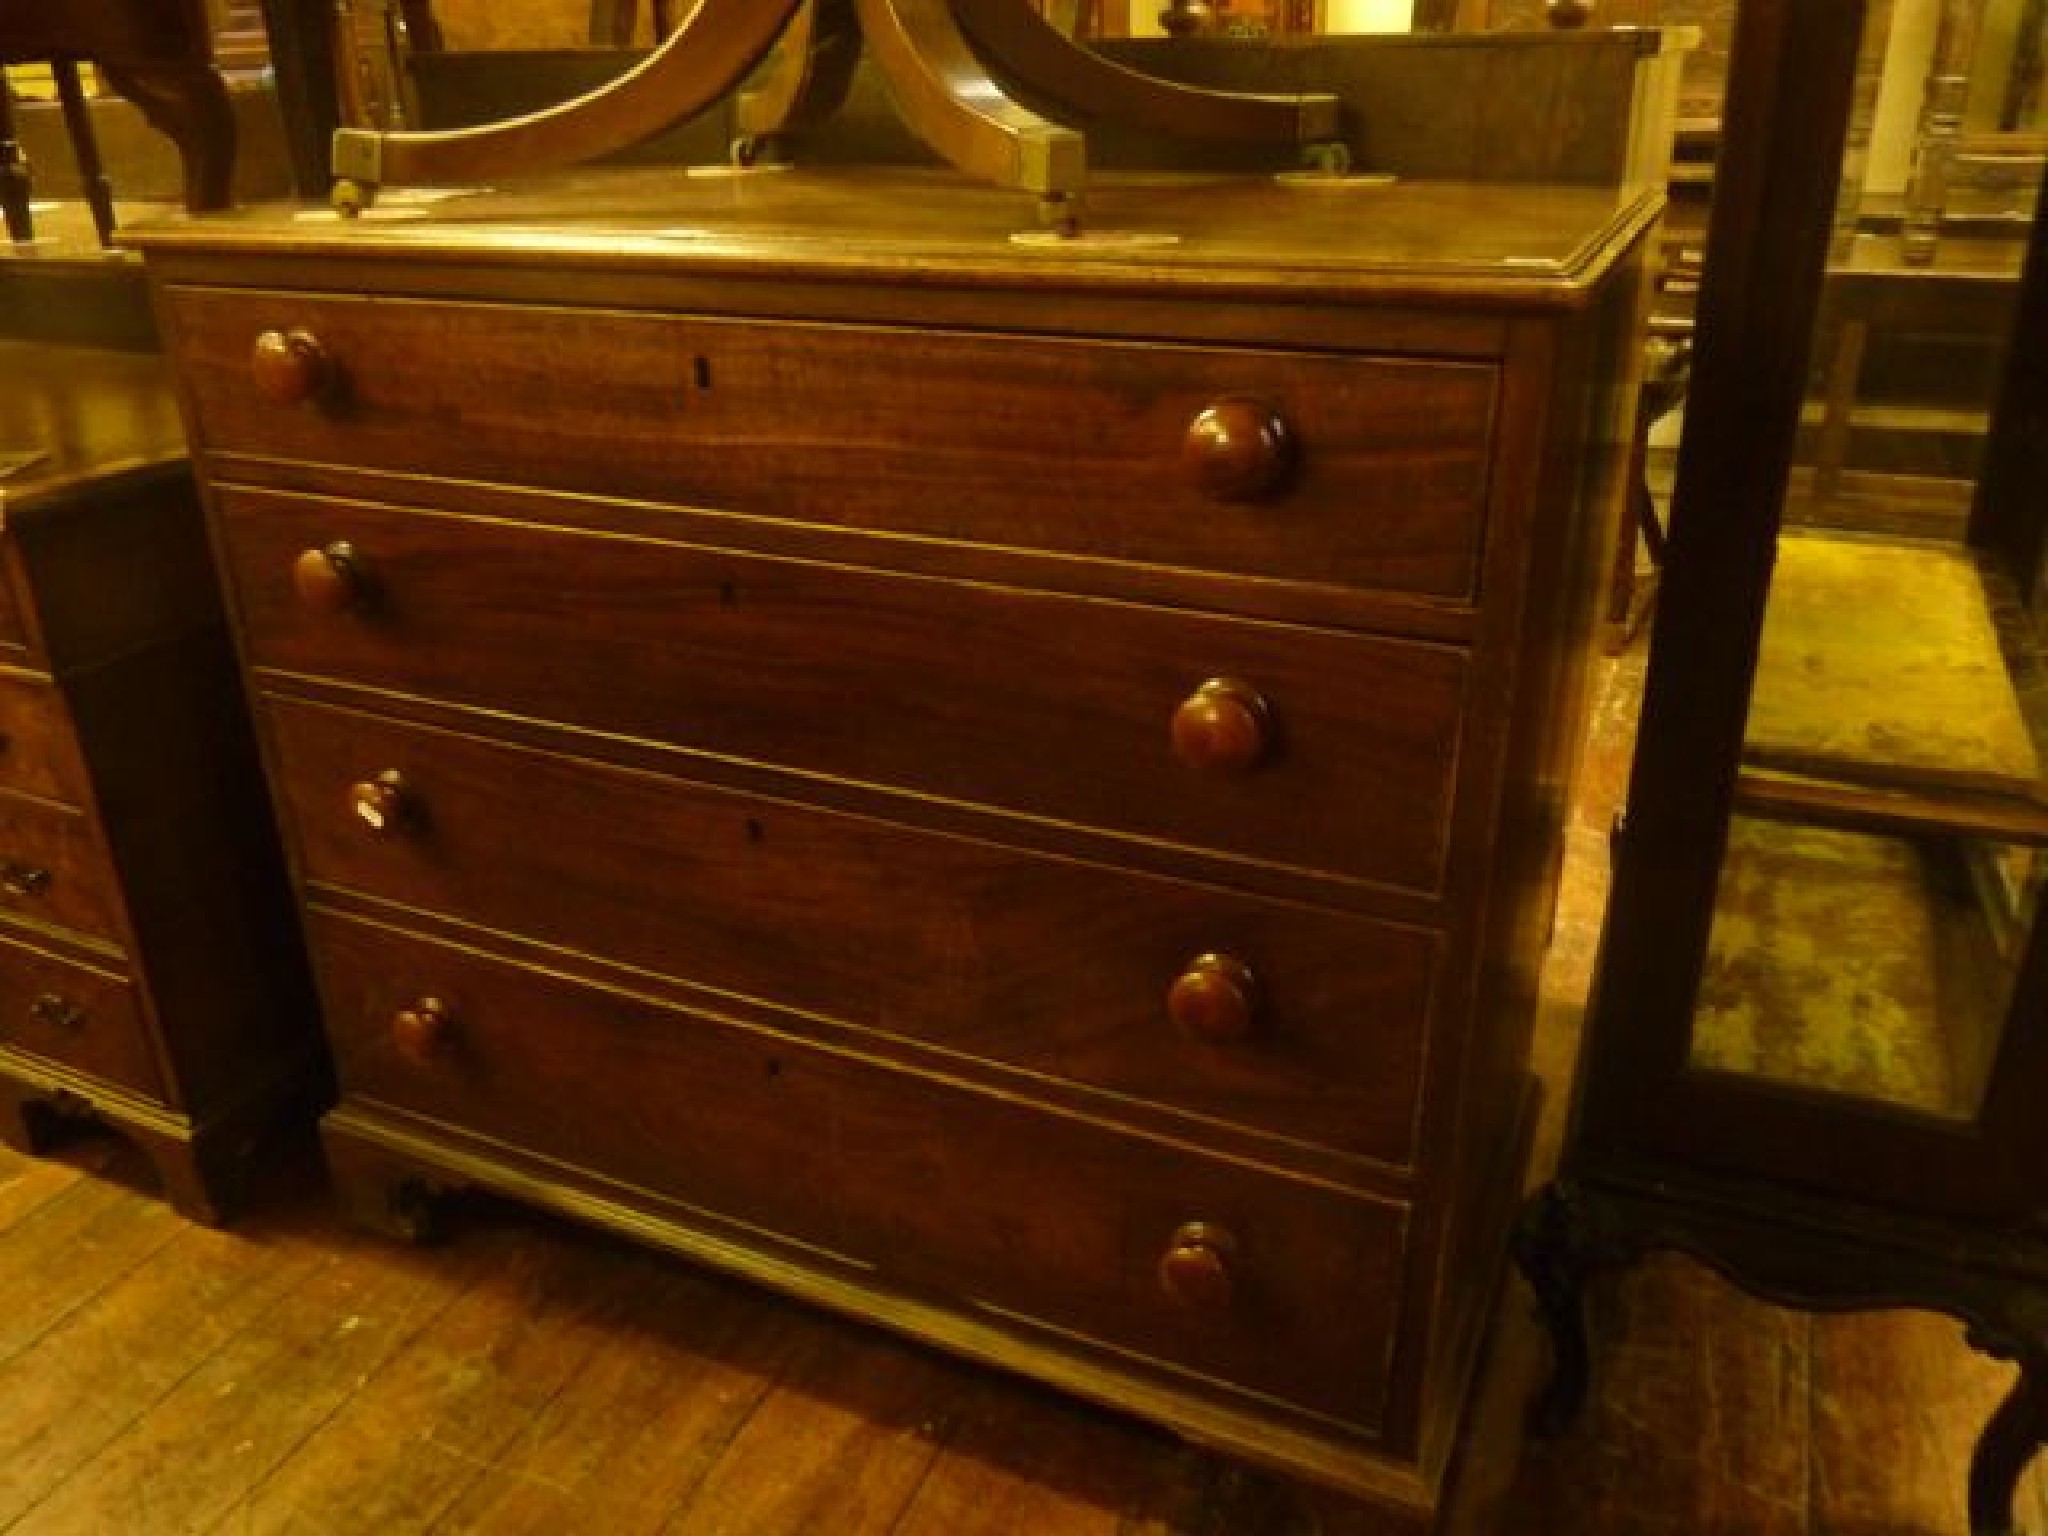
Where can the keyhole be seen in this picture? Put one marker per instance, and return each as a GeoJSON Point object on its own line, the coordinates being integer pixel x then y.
{"type": "Point", "coordinates": [703, 373]}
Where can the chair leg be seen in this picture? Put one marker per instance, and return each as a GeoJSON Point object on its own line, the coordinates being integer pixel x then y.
{"type": "Point", "coordinates": [14, 181]}
{"type": "Point", "coordinates": [189, 103]}
{"type": "Point", "coordinates": [99, 192]}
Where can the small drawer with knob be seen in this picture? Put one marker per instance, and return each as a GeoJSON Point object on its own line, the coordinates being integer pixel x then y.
{"type": "Point", "coordinates": [1360, 471]}
{"type": "Point", "coordinates": [82, 1016]}
{"type": "Point", "coordinates": [1064, 1231]}
{"type": "Point", "coordinates": [1153, 999]}
{"type": "Point", "coordinates": [38, 749]}
{"type": "Point", "coordinates": [1304, 748]}
{"type": "Point", "coordinates": [52, 870]}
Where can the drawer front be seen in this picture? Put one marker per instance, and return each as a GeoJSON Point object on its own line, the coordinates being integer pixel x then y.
{"type": "Point", "coordinates": [76, 1015]}
{"type": "Point", "coordinates": [38, 752]}
{"type": "Point", "coordinates": [1047, 706]}
{"type": "Point", "coordinates": [52, 870]}
{"type": "Point", "coordinates": [1378, 466]}
{"type": "Point", "coordinates": [1305, 1024]}
{"type": "Point", "coordinates": [967, 1199]}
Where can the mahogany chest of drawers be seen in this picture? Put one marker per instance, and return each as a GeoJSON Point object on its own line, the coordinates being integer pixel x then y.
{"type": "Point", "coordinates": [1011, 790]}
{"type": "Point", "coordinates": [150, 970]}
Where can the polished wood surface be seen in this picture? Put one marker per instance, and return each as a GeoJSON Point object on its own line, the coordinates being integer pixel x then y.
{"type": "Point", "coordinates": [1147, 868]}
{"type": "Point", "coordinates": [1530, 243]}
{"type": "Point", "coordinates": [151, 975]}
{"type": "Point", "coordinates": [918, 947]}
{"type": "Point", "coordinates": [1361, 792]}
{"type": "Point", "coordinates": [755, 419]}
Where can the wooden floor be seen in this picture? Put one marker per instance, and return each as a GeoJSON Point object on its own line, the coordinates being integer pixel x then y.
{"type": "Point", "coordinates": [296, 1376]}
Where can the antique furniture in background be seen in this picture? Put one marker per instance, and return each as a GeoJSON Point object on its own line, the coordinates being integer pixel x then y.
{"type": "Point", "coordinates": [158, 55]}
{"type": "Point", "coordinates": [1009, 786]}
{"type": "Point", "coordinates": [957, 74]}
{"type": "Point", "coordinates": [150, 975]}
{"type": "Point", "coordinates": [1815, 1054]}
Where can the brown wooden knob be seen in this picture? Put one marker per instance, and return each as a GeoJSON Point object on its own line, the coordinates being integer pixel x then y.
{"type": "Point", "coordinates": [1222, 727]}
{"type": "Point", "coordinates": [1215, 998]}
{"type": "Point", "coordinates": [385, 804]}
{"type": "Point", "coordinates": [1238, 450]}
{"type": "Point", "coordinates": [332, 579]}
{"type": "Point", "coordinates": [1198, 1269]}
{"type": "Point", "coordinates": [1567, 14]}
{"type": "Point", "coordinates": [290, 367]}
{"type": "Point", "coordinates": [424, 1032]}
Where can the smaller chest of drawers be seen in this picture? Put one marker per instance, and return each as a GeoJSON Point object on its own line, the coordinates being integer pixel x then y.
{"type": "Point", "coordinates": [150, 970]}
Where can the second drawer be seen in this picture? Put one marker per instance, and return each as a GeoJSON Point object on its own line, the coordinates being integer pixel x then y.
{"type": "Point", "coordinates": [1307, 748]}
{"type": "Point", "coordinates": [1295, 1021]}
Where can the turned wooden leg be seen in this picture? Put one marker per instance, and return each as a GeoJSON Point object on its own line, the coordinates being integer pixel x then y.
{"type": "Point", "coordinates": [1553, 1250]}
{"type": "Point", "coordinates": [189, 104]}
{"type": "Point", "coordinates": [2011, 1437]}
{"type": "Point", "coordinates": [14, 181]}
{"type": "Point", "coordinates": [92, 177]}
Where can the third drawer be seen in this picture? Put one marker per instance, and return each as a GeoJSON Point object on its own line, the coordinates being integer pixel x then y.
{"type": "Point", "coordinates": [1291, 1020]}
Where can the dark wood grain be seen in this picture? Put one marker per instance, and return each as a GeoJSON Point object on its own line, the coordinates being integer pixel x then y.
{"type": "Point", "coordinates": [946, 436]}
{"type": "Point", "coordinates": [1057, 969]}
{"type": "Point", "coordinates": [1033, 1215]}
{"type": "Point", "coordinates": [809, 667]}
{"type": "Point", "coordinates": [809, 714]}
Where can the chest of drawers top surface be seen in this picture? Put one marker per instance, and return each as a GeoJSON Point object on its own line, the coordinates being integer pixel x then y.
{"type": "Point", "coordinates": [88, 415]}
{"type": "Point", "coordinates": [1512, 243]}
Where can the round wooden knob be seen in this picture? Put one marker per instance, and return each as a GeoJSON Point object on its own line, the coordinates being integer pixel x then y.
{"type": "Point", "coordinates": [424, 1032]}
{"type": "Point", "coordinates": [1198, 1268]}
{"type": "Point", "coordinates": [1566, 14]}
{"type": "Point", "coordinates": [290, 367]}
{"type": "Point", "coordinates": [332, 579]}
{"type": "Point", "coordinates": [1238, 450]}
{"type": "Point", "coordinates": [385, 804]}
{"type": "Point", "coordinates": [1215, 998]}
{"type": "Point", "coordinates": [1222, 727]}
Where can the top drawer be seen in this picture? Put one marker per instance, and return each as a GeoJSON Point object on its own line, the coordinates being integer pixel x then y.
{"type": "Point", "coordinates": [1359, 471]}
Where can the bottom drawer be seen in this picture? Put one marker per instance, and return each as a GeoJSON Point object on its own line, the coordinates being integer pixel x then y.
{"type": "Point", "coordinates": [84, 1018]}
{"type": "Point", "coordinates": [1253, 1281]}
